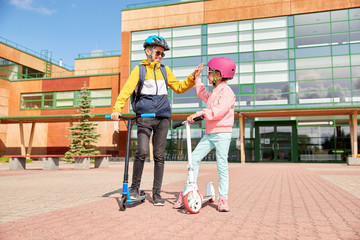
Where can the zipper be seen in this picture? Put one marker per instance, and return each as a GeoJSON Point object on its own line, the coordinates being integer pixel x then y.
{"type": "Point", "coordinates": [155, 81]}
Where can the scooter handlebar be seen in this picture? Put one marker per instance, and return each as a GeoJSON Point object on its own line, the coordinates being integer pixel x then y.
{"type": "Point", "coordinates": [176, 125]}
{"type": "Point", "coordinates": [148, 115]}
{"type": "Point", "coordinates": [144, 115]}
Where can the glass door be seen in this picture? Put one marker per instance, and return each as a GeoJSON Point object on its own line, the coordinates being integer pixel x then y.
{"type": "Point", "coordinates": [275, 141]}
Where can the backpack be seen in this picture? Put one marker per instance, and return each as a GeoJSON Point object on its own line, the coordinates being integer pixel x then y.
{"type": "Point", "coordinates": [135, 96]}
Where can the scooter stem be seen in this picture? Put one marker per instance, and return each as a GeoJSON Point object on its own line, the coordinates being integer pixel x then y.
{"type": "Point", "coordinates": [189, 151]}
{"type": "Point", "coordinates": [188, 142]}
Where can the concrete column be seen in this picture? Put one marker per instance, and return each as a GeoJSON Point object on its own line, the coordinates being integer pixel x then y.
{"type": "Point", "coordinates": [22, 139]}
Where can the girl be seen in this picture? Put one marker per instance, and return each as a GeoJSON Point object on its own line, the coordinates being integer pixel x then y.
{"type": "Point", "coordinates": [219, 116]}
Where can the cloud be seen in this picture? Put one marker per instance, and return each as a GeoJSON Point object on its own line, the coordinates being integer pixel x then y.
{"type": "Point", "coordinates": [28, 5]}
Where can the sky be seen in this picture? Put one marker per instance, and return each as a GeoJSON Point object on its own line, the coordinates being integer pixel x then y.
{"type": "Point", "coordinates": [65, 27]}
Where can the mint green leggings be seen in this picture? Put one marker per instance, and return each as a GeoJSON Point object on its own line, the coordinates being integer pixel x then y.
{"type": "Point", "coordinates": [221, 142]}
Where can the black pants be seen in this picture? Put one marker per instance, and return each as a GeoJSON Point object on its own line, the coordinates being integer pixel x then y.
{"type": "Point", "coordinates": [159, 127]}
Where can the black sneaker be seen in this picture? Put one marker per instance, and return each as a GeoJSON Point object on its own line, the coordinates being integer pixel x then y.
{"type": "Point", "coordinates": [158, 201]}
{"type": "Point", "coordinates": [134, 193]}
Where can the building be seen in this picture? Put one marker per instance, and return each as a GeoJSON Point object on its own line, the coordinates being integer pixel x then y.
{"type": "Point", "coordinates": [297, 82]}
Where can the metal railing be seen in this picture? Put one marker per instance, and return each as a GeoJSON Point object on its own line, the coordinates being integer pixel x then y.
{"type": "Point", "coordinates": [159, 3]}
{"type": "Point", "coordinates": [42, 55]}
{"type": "Point", "coordinates": [99, 53]}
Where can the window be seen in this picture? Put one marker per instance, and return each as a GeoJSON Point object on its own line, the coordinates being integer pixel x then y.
{"type": "Point", "coordinates": [31, 100]}
{"type": "Point", "coordinates": [68, 99]}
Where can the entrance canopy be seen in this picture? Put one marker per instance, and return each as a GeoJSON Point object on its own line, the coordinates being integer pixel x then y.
{"type": "Point", "coordinates": [242, 115]}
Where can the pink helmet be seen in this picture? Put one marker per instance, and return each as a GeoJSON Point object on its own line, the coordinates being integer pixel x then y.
{"type": "Point", "coordinates": [224, 65]}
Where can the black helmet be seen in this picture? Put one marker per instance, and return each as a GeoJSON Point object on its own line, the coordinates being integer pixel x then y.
{"type": "Point", "coordinates": [156, 41]}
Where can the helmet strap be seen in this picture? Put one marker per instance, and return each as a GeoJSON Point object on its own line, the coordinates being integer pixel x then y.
{"type": "Point", "coordinates": [214, 78]}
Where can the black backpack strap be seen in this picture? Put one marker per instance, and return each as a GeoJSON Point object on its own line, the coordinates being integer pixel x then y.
{"type": "Point", "coordinates": [142, 73]}
{"type": "Point", "coordinates": [135, 96]}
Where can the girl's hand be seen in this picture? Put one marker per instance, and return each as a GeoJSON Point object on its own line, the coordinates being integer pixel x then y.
{"type": "Point", "coordinates": [198, 71]}
{"type": "Point", "coordinates": [190, 118]}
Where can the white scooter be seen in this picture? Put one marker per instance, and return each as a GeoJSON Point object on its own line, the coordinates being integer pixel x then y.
{"type": "Point", "coordinates": [193, 200]}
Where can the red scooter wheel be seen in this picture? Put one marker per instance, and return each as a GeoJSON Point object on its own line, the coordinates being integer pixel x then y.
{"type": "Point", "coordinates": [193, 202]}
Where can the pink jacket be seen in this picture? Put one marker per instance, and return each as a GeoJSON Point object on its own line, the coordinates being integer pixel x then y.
{"type": "Point", "coordinates": [219, 111]}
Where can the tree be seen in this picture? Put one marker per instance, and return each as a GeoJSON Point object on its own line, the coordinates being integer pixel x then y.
{"type": "Point", "coordinates": [84, 134]}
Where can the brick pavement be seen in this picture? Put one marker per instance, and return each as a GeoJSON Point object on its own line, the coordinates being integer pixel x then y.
{"type": "Point", "coordinates": [267, 201]}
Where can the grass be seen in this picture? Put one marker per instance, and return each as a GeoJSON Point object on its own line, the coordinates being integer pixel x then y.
{"type": "Point", "coordinates": [6, 160]}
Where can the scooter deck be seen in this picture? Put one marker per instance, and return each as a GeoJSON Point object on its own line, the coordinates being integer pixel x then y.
{"type": "Point", "coordinates": [141, 198]}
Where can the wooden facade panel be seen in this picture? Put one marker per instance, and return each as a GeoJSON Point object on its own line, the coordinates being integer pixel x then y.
{"type": "Point", "coordinates": [15, 92]}
{"type": "Point", "coordinates": [32, 62]}
{"type": "Point", "coordinates": [124, 64]}
{"type": "Point", "coordinates": [222, 11]}
{"type": "Point", "coordinates": [305, 6]}
{"type": "Point", "coordinates": [64, 111]}
{"type": "Point", "coordinates": [163, 16]}
{"type": "Point", "coordinates": [100, 82]}
{"type": "Point", "coordinates": [10, 53]}
{"type": "Point", "coordinates": [4, 97]}
{"type": "Point", "coordinates": [228, 13]}
{"type": "Point", "coordinates": [106, 129]}
{"type": "Point", "coordinates": [104, 65]}
{"type": "Point", "coordinates": [355, 3]}
{"type": "Point", "coordinates": [57, 134]}
{"type": "Point", "coordinates": [57, 71]}
{"type": "Point", "coordinates": [4, 109]}
{"type": "Point", "coordinates": [64, 84]}
{"type": "Point", "coordinates": [40, 140]}
{"type": "Point", "coordinates": [3, 134]}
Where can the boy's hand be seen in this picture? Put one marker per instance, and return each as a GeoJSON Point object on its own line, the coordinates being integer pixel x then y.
{"type": "Point", "coordinates": [190, 118]}
{"type": "Point", "coordinates": [115, 116]}
{"type": "Point", "coordinates": [198, 71]}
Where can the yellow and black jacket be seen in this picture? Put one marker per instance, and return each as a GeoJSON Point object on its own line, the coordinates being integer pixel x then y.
{"type": "Point", "coordinates": [154, 94]}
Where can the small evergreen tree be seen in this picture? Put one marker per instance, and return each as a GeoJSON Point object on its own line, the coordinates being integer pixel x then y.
{"type": "Point", "coordinates": [84, 134]}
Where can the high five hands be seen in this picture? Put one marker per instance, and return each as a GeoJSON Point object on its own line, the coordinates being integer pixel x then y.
{"type": "Point", "coordinates": [198, 71]}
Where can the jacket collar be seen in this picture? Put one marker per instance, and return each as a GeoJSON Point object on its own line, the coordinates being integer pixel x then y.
{"type": "Point", "coordinates": [151, 65]}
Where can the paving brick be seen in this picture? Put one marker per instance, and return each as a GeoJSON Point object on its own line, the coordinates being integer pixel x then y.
{"type": "Point", "coordinates": [267, 201]}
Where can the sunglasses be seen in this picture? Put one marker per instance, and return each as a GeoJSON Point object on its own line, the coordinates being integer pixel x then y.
{"type": "Point", "coordinates": [158, 54]}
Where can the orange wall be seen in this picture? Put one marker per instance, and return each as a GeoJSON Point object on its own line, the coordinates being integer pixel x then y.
{"type": "Point", "coordinates": [4, 111]}
{"type": "Point", "coordinates": [52, 134]}
{"type": "Point", "coordinates": [4, 97]}
{"type": "Point", "coordinates": [58, 84]}
{"type": "Point", "coordinates": [163, 16]}
{"type": "Point", "coordinates": [16, 89]}
{"type": "Point", "coordinates": [98, 65]}
{"type": "Point", "coordinates": [13, 139]}
{"type": "Point", "coordinates": [20, 57]}
{"type": "Point", "coordinates": [194, 13]}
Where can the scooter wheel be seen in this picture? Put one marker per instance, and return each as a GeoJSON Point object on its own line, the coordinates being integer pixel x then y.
{"type": "Point", "coordinates": [123, 203]}
{"type": "Point", "coordinates": [193, 202]}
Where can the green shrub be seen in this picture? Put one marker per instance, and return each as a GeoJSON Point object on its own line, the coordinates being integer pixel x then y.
{"type": "Point", "coordinates": [4, 159]}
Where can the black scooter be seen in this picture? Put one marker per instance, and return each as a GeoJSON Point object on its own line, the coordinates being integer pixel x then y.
{"type": "Point", "coordinates": [125, 199]}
